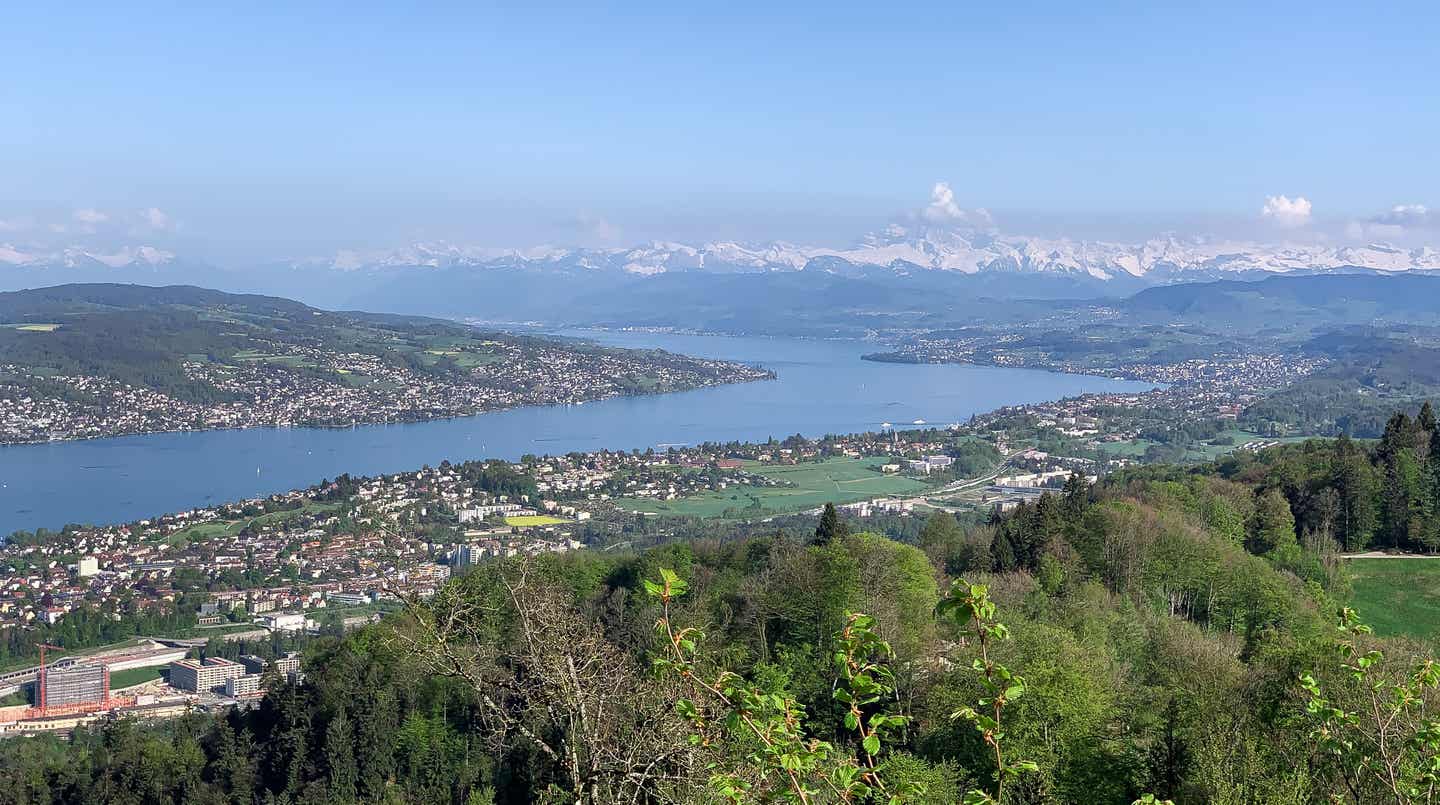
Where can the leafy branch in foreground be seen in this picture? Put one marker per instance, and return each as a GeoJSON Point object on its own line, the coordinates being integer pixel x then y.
{"type": "Point", "coordinates": [776, 759]}
{"type": "Point", "coordinates": [1388, 747]}
{"type": "Point", "coordinates": [969, 607]}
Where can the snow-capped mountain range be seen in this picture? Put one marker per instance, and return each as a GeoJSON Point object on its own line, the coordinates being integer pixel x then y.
{"type": "Point", "coordinates": [898, 248]}
{"type": "Point", "coordinates": [906, 249]}
{"type": "Point", "coordinates": [80, 257]}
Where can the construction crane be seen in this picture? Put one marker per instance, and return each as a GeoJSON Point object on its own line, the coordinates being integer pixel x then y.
{"type": "Point", "coordinates": [43, 672]}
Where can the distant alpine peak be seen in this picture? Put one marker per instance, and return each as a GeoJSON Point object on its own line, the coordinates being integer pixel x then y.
{"type": "Point", "coordinates": [84, 257]}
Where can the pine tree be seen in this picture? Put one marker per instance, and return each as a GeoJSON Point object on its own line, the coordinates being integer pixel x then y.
{"type": "Point", "coordinates": [231, 766]}
{"type": "Point", "coordinates": [1354, 480]}
{"type": "Point", "coordinates": [1430, 477]}
{"type": "Point", "coordinates": [1076, 495]}
{"type": "Point", "coordinates": [340, 767]}
{"type": "Point", "coordinates": [1401, 474]}
{"type": "Point", "coordinates": [830, 528]}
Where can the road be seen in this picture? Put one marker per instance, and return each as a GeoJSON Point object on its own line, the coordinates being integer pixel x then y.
{"type": "Point", "coordinates": [963, 484]}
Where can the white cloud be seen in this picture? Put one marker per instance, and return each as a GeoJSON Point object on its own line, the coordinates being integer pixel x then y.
{"type": "Point", "coordinates": [1407, 216]}
{"type": "Point", "coordinates": [1287, 212]}
{"type": "Point", "coordinates": [157, 219]}
{"type": "Point", "coordinates": [942, 209]}
{"type": "Point", "coordinates": [1396, 223]}
{"type": "Point", "coordinates": [90, 216]}
{"type": "Point", "coordinates": [942, 205]}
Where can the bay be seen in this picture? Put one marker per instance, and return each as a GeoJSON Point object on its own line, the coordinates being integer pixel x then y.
{"type": "Point", "coordinates": [821, 387]}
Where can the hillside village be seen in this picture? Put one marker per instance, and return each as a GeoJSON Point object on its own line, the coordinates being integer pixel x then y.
{"type": "Point", "coordinates": [338, 389]}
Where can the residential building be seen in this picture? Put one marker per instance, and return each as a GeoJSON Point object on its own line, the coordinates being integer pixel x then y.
{"type": "Point", "coordinates": [289, 665]}
{"type": "Point", "coordinates": [244, 685]}
{"type": "Point", "coordinates": [203, 676]}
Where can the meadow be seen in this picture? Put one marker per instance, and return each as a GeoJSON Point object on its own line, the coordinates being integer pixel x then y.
{"type": "Point", "coordinates": [807, 486]}
{"type": "Point", "coordinates": [229, 528]}
{"type": "Point", "coordinates": [1397, 596]}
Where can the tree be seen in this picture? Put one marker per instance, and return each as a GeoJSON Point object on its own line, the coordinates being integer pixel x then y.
{"type": "Point", "coordinates": [1273, 526]}
{"type": "Point", "coordinates": [340, 770]}
{"type": "Point", "coordinates": [831, 527]}
{"type": "Point", "coordinates": [1404, 490]}
{"type": "Point", "coordinates": [547, 677]}
{"type": "Point", "coordinates": [969, 607]}
{"type": "Point", "coordinates": [942, 540]}
{"type": "Point", "coordinates": [231, 767]}
{"type": "Point", "coordinates": [1353, 478]}
{"type": "Point", "coordinates": [776, 759]}
{"type": "Point", "coordinates": [1377, 736]}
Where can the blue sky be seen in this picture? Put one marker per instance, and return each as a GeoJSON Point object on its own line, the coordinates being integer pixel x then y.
{"type": "Point", "coordinates": [279, 130]}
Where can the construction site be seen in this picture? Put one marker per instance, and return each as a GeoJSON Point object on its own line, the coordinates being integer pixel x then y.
{"type": "Point", "coordinates": [70, 691]}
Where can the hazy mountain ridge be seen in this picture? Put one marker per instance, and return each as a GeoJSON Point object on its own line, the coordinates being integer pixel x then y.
{"type": "Point", "coordinates": [897, 249]}
{"type": "Point", "coordinates": [902, 249]}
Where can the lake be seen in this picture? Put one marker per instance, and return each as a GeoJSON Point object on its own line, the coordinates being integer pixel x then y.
{"type": "Point", "coordinates": [822, 387]}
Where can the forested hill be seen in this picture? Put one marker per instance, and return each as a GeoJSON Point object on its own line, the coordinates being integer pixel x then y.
{"type": "Point", "coordinates": [1166, 634]}
{"type": "Point", "coordinates": [99, 360]}
{"type": "Point", "coordinates": [138, 333]}
{"type": "Point", "coordinates": [142, 335]}
{"type": "Point", "coordinates": [1289, 302]}
{"type": "Point", "coordinates": [100, 297]}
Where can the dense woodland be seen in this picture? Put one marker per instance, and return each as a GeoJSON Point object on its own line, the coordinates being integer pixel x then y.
{"type": "Point", "coordinates": [1170, 633]}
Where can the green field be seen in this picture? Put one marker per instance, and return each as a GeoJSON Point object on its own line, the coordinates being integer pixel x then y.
{"type": "Point", "coordinates": [1398, 596]}
{"type": "Point", "coordinates": [809, 485]}
{"type": "Point", "coordinates": [1199, 451]}
{"type": "Point", "coordinates": [292, 361]}
{"type": "Point", "coordinates": [203, 531]}
{"type": "Point", "coordinates": [133, 676]}
{"type": "Point", "coordinates": [528, 520]}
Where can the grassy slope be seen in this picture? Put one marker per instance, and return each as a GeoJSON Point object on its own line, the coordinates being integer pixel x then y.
{"type": "Point", "coordinates": [1398, 596]}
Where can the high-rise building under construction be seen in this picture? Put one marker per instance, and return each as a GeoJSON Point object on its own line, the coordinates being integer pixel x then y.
{"type": "Point", "coordinates": [81, 683]}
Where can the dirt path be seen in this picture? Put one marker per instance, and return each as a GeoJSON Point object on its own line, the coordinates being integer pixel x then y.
{"type": "Point", "coordinates": [1383, 555]}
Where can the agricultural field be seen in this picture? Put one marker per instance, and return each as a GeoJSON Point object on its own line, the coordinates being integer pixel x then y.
{"type": "Point", "coordinates": [807, 486]}
{"type": "Point", "coordinates": [531, 520]}
{"type": "Point", "coordinates": [1399, 596]}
